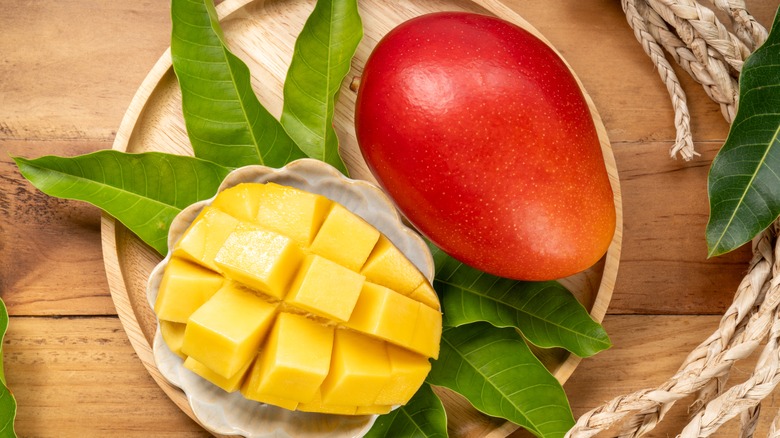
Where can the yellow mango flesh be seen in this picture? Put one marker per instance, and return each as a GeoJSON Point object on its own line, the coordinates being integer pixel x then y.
{"type": "Point", "coordinates": [388, 267]}
{"type": "Point", "coordinates": [292, 212]}
{"type": "Point", "coordinates": [261, 259]}
{"type": "Point", "coordinates": [173, 335]}
{"type": "Point", "coordinates": [229, 384]}
{"type": "Point", "coordinates": [345, 238]}
{"type": "Point", "coordinates": [185, 286]}
{"type": "Point", "coordinates": [299, 303]}
{"type": "Point", "coordinates": [294, 360]}
{"type": "Point", "coordinates": [205, 237]}
{"type": "Point", "coordinates": [225, 333]}
{"type": "Point", "coordinates": [325, 288]}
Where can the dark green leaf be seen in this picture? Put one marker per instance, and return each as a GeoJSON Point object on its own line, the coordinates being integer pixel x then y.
{"type": "Point", "coordinates": [7, 401]}
{"type": "Point", "coordinates": [142, 191]}
{"type": "Point", "coordinates": [422, 417]}
{"type": "Point", "coordinates": [322, 57]}
{"type": "Point", "coordinates": [546, 313]}
{"type": "Point", "coordinates": [497, 372]}
{"type": "Point", "coordinates": [744, 179]}
{"type": "Point", "coordinates": [226, 123]}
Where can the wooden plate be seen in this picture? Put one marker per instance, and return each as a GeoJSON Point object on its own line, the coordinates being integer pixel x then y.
{"type": "Point", "coordinates": [262, 33]}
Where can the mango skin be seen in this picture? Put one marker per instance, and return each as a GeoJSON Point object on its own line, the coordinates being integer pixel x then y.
{"type": "Point", "coordinates": [481, 135]}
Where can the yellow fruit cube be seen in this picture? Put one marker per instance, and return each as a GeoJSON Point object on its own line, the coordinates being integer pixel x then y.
{"type": "Point", "coordinates": [230, 384]}
{"type": "Point", "coordinates": [427, 332]}
{"type": "Point", "coordinates": [294, 360]}
{"type": "Point", "coordinates": [345, 238]}
{"type": "Point", "coordinates": [173, 335]}
{"type": "Point", "coordinates": [373, 410]}
{"type": "Point", "coordinates": [225, 333]}
{"type": "Point", "coordinates": [425, 294]}
{"type": "Point", "coordinates": [408, 371]}
{"type": "Point", "coordinates": [248, 391]}
{"type": "Point", "coordinates": [317, 405]}
{"type": "Point", "coordinates": [388, 266]}
{"type": "Point", "coordinates": [384, 313]}
{"type": "Point", "coordinates": [205, 237]}
{"type": "Point", "coordinates": [359, 370]}
{"type": "Point", "coordinates": [292, 212]}
{"type": "Point", "coordinates": [260, 259]}
{"type": "Point", "coordinates": [185, 286]}
{"type": "Point", "coordinates": [241, 201]}
{"type": "Point", "coordinates": [325, 288]}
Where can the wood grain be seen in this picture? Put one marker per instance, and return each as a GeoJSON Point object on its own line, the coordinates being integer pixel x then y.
{"type": "Point", "coordinates": [68, 71]}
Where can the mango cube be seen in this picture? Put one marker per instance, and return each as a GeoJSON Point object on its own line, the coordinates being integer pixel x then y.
{"type": "Point", "coordinates": [241, 201]}
{"type": "Point", "coordinates": [425, 294]}
{"type": "Point", "coordinates": [408, 372]}
{"type": "Point", "coordinates": [185, 286]}
{"type": "Point", "coordinates": [359, 370]}
{"type": "Point", "coordinates": [384, 313]}
{"type": "Point", "coordinates": [225, 333]}
{"type": "Point", "coordinates": [173, 335]}
{"type": "Point", "coordinates": [389, 267]}
{"type": "Point", "coordinates": [427, 332]}
{"type": "Point", "coordinates": [261, 259]}
{"type": "Point", "coordinates": [325, 288]}
{"type": "Point", "coordinates": [230, 384]}
{"type": "Point", "coordinates": [248, 390]}
{"type": "Point", "coordinates": [317, 405]}
{"type": "Point", "coordinates": [292, 212]}
{"type": "Point", "coordinates": [295, 359]}
{"type": "Point", "coordinates": [373, 410]}
{"type": "Point", "coordinates": [345, 238]}
{"type": "Point", "coordinates": [205, 237]}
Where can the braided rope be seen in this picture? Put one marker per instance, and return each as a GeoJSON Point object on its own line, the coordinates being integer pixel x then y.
{"type": "Point", "coordinates": [702, 46]}
{"type": "Point", "coordinates": [682, 119]}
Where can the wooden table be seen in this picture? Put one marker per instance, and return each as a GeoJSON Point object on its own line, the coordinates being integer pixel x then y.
{"type": "Point", "coordinates": [68, 70]}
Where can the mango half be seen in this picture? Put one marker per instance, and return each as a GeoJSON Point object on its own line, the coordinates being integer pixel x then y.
{"type": "Point", "coordinates": [295, 301]}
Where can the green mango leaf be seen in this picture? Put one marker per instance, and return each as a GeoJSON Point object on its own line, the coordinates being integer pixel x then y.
{"type": "Point", "coordinates": [7, 401]}
{"type": "Point", "coordinates": [422, 417]}
{"type": "Point", "coordinates": [142, 191]}
{"type": "Point", "coordinates": [226, 123]}
{"type": "Point", "coordinates": [744, 179]}
{"type": "Point", "coordinates": [321, 59]}
{"type": "Point", "coordinates": [546, 313]}
{"type": "Point", "coordinates": [497, 372]}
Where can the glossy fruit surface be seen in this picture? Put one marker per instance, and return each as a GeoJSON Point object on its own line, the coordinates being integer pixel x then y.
{"type": "Point", "coordinates": [483, 138]}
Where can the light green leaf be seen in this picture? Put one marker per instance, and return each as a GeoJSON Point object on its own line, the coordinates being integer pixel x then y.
{"type": "Point", "coordinates": [7, 401]}
{"type": "Point", "coordinates": [142, 191]}
{"type": "Point", "coordinates": [546, 313]}
{"type": "Point", "coordinates": [744, 179]}
{"type": "Point", "coordinates": [322, 57]}
{"type": "Point", "coordinates": [226, 123]}
{"type": "Point", "coordinates": [422, 417]}
{"type": "Point", "coordinates": [497, 372]}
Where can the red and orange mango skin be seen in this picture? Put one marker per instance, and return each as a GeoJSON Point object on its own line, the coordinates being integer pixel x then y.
{"type": "Point", "coordinates": [483, 138]}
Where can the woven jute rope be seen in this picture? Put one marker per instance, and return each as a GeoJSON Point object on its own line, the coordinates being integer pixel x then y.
{"type": "Point", "coordinates": [712, 53]}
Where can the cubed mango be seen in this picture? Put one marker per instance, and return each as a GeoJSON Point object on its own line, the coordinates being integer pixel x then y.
{"type": "Point", "coordinates": [345, 238]}
{"type": "Point", "coordinates": [185, 286]}
{"type": "Point", "coordinates": [263, 260]}
{"type": "Point", "coordinates": [292, 212]}
{"type": "Point", "coordinates": [389, 267]}
{"type": "Point", "coordinates": [269, 290]}
{"type": "Point", "coordinates": [325, 288]}
{"type": "Point", "coordinates": [295, 359]}
{"type": "Point", "coordinates": [359, 370]}
{"type": "Point", "coordinates": [225, 333]}
{"type": "Point", "coordinates": [205, 237]}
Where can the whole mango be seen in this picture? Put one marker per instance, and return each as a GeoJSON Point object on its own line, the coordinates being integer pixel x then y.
{"type": "Point", "coordinates": [482, 136]}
